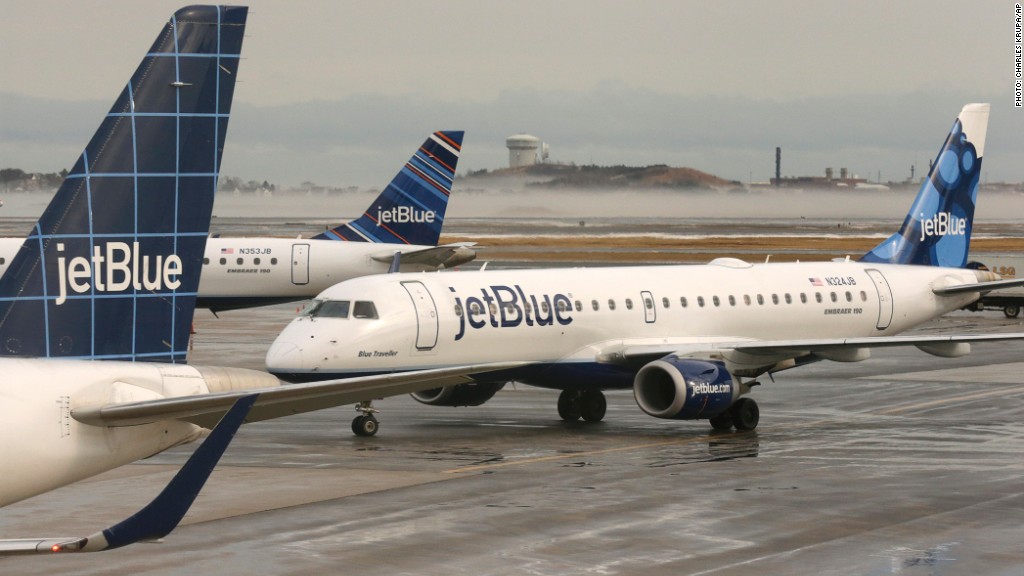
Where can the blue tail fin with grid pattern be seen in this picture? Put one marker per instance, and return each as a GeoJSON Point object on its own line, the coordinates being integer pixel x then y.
{"type": "Point", "coordinates": [111, 269]}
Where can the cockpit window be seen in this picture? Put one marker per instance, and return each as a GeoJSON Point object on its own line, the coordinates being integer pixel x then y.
{"type": "Point", "coordinates": [364, 309]}
{"type": "Point", "coordinates": [327, 309]}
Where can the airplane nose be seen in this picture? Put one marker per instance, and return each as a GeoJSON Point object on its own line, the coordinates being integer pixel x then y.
{"type": "Point", "coordinates": [283, 356]}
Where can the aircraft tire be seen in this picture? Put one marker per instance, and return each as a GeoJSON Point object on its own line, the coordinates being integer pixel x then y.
{"type": "Point", "coordinates": [1011, 311]}
{"type": "Point", "coordinates": [745, 414]}
{"type": "Point", "coordinates": [593, 406]}
{"type": "Point", "coordinates": [365, 425]}
{"type": "Point", "coordinates": [570, 407]}
{"type": "Point", "coordinates": [722, 422]}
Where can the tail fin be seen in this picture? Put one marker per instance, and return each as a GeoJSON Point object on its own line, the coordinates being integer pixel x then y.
{"type": "Point", "coordinates": [411, 209]}
{"type": "Point", "coordinates": [111, 269]}
{"type": "Point", "coordinates": [937, 230]}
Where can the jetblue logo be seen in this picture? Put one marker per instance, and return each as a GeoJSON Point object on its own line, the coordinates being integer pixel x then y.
{"type": "Point", "coordinates": [116, 268]}
{"type": "Point", "coordinates": [405, 215]}
{"type": "Point", "coordinates": [704, 388]}
{"type": "Point", "coordinates": [505, 307]}
{"type": "Point", "coordinates": [943, 224]}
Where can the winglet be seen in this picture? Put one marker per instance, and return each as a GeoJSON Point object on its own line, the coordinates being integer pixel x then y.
{"type": "Point", "coordinates": [411, 208]}
{"type": "Point", "coordinates": [163, 514]}
{"type": "Point", "coordinates": [937, 230]}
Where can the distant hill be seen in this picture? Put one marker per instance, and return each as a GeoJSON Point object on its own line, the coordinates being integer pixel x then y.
{"type": "Point", "coordinates": [605, 177]}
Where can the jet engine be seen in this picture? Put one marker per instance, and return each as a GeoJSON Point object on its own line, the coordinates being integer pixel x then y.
{"type": "Point", "coordinates": [473, 394]}
{"type": "Point", "coordinates": [684, 388]}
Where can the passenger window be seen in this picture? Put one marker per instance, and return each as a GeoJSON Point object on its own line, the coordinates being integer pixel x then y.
{"type": "Point", "coordinates": [760, 300]}
{"type": "Point", "coordinates": [775, 298]}
{"type": "Point", "coordinates": [458, 309]}
{"type": "Point", "coordinates": [223, 261]}
{"type": "Point", "coordinates": [629, 303]}
{"type": "Point", "coordinates": [205, 261]}
{"type": "Point", "coordinates": [746, 299]}
{"type": "Point", "coordinates": [664, 302]}
{"type": "Point", "coordinates": [595, 305]}
{"type": "Point", "coordinates": [256, 261]}
{"type": "Point", "coordinates": [239, 261]}
{"type": "Point", "coordinates": [732, 300]}
{"type": "Point", "coordinates": [494, 309]}
{"type": "Point", "coordinates": [364, 309]}
{"type": "Point", "coordinates": [611, 304]}
{"type": "Point", "coordinates": [562, 306]}
{"type": "Point", "coordinates": [803, 298]}
{"type": "Point", "coordinates": [682, 301]}
{"type": "Point", "coordinates": [715, 300]}
{"type": "Point", "coordinates": [789, 299]}
{"type": "Point", "coordinates": [528, 307]}
{"type": "Point", "coordinates": [817, 297]}
{"type": "Point", "coordinates": [849, 296]}
{"type": "Point", "coordinates": [863, 296]}
{"type": "Point", "coordinates": [544, 307]}
{"type": "Point", "coordinates": [579, 306]}
{"type": "Point", "coordinates": [273, 261]}
{"type": "Point", "coordinates": [648, 303]}
{"type": "Point", "coordinates": [700, 301]}
{"type": "Point", "coordinates": [475, 308]}
{"type": "Point", "coordinates": [834, 297]}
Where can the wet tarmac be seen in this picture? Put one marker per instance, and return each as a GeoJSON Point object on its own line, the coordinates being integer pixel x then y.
{"type": "Point", "coordinates": [903, 464]}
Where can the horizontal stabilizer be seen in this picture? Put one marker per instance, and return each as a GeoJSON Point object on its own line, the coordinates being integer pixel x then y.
{"type": "Point", "coordinates": [446, 255]}
{"type": "Point", "coordinates": [983, 287]}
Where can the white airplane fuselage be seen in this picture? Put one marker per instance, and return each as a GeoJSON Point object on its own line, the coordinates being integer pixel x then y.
{"type": "Point", "coordinates": [243, 272]}
{"type": "Point", "coordinates": [52, 449]}
{"type": "Point", "coordinates": [569, 326]}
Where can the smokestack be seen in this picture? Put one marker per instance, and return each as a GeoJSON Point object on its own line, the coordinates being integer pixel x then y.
{"type": "Point", "coordinates": [778, 166]}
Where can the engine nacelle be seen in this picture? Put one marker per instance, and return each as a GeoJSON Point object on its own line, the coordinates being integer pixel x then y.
{"type": "Point", "coordinates": [684, 388]}
{"type": "Point", "coordinates": [473, 394]}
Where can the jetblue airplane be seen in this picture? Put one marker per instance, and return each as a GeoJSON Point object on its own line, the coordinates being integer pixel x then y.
{"type": "Point", "coordinates": [690, 340]}
{"type": "Point", "coordinates": [406, 218]}
{"type": "Point", "coordinates": [96, 306]}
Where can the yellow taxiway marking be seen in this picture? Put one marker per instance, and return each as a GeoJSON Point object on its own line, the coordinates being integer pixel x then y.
{"type": "Point", "coordinates": [950, 400]}
{"type": "Point", "coordinates": [705, 438]}
{"type": "Point", "coordinates": [556, 457]}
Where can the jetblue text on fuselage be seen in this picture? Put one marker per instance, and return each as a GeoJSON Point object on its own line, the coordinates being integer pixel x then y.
{"type": "Point", "coordinates": [405, 215]}
{"type": "Point", "coordinates": [943, 224]}
{"type": "Point", "coordinates": [115, 269]}
{"type": "Point", "coordinates": [507, 307]}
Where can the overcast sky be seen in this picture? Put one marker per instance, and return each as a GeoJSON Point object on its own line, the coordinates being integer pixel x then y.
{"type": "Point", "coordinates": [342, 92]}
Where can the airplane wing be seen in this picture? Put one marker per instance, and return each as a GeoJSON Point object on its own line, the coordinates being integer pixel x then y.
{"type": "Point", "coordinates": [278, 401]}
{"type": "Point", "coordinates": [160, 516]}
{"type": "Point", "coordinates": [447, 255]}
{"type": "Point", "coordinates": [946, 345]}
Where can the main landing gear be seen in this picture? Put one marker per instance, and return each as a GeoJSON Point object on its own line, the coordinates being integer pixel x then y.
{"type": "Point", "coordinates": [743, 414]}
{"type": "Point", "coordinates": [366, 423]}
{"type": "Point", "coordinates": [590, 405]}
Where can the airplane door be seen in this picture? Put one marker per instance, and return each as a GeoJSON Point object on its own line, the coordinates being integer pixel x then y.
{"type": "Point", "coordinates": [426, 315]}
{"type": "Point", "coordinates": [300, 263]}
{"type": "Point", "coordinates": [885, 310]}
{"type": "Point", "coordinates": [650, 314]}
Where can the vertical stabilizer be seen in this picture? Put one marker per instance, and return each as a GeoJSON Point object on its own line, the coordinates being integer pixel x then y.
{"type": "Point", "coordinates": [411, 209]}
{"type": "Point", "coordinates": [111, 269]}
{"type": "Point", "coordinates": [937, 230]}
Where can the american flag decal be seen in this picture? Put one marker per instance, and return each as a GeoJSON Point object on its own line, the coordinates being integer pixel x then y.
{"type": "Point", "coordinates": [816, 282]}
